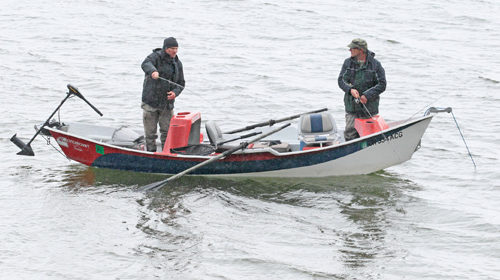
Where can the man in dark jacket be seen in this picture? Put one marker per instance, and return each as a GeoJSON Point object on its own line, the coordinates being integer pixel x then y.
{"type": "Point", "coordinates": [158, 95]}
{"type": "Point", "coordinates": [362, 79]}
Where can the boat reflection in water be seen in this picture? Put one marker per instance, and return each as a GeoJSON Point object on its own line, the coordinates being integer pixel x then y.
{"type": "Point", "coordinates": [348, 216]}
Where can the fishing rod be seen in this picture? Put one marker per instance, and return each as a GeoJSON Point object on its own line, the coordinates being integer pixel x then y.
{"type": "Point", "coordinates": [174, 83]}
{"type": "Point", "coordinates": [266, 123]}
{"type": "Point", "coordinates": [358, 100]}
{"type": "Point", "coordinates": [179, 85]}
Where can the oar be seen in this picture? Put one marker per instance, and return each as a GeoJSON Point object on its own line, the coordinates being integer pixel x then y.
{"type": "Point", "coordinates": [271, 122]}
{"type": "Point", "coordinates": [160, 184]}
{"type": "Point", "coordinates": [240, 137]}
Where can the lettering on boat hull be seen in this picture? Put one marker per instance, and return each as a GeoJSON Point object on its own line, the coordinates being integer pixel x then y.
{"type": "Point", "coordinates": [391, 137]}
{"type": "Point", "coordinates": [63, 141]}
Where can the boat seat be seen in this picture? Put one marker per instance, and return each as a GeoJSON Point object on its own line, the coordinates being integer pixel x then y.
{"type": "Point", "coordinates": [318, 129]}
{"type": "Point", "coordinates": [214, 133]}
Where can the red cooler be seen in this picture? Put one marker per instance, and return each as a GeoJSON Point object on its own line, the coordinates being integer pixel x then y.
{"type": "Point", "coordinates": [369, 126]}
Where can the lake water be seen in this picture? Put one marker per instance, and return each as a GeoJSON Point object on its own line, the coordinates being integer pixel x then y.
{"type": "Point", "coordinates": [433, 217]}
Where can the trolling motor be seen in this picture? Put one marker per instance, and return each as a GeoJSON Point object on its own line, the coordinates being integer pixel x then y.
{"type": "Point", "coordinates": [26, 149]}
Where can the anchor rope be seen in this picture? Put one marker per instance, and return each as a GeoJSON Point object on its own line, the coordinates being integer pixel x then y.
{"type": "Point", "coordinates": [47, 139]}
{"type": "Point", "coordinates": [450, 110]}
{"type": "Point", "coordinates": [463, 138]}
{"type": "Point", "coordinates": [54, 147]}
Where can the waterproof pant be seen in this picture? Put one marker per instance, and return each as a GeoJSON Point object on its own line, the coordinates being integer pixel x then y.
{"type": "Point", "coordinates": [151, 118]}
{"type": "Point", "coordinates": [350, 132]}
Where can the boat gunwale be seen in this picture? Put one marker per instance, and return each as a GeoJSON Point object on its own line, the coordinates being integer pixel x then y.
{"type": "Point", "coordinates": [268, 150]}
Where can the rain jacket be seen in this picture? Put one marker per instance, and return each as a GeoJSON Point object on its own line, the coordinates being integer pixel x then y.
{"type": "Point", "coordinates": [369, 80]}
{"type": "Point", "coordinates": [154, 92]}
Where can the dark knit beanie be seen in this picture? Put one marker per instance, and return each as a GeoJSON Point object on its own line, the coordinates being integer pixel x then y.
{"type": "Point", "coordinates": [170, 42]}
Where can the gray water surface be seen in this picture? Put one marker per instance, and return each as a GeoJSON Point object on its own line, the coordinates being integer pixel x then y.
{"type": "Point", "coordinates": [432, 217]}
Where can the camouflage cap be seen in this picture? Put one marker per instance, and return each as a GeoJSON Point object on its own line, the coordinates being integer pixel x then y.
{"type": "Point", "coordinates": [358, 44]}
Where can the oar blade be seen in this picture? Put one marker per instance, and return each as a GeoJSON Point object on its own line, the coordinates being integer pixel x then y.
{"type": "Point", "coordinates": [154, 186]}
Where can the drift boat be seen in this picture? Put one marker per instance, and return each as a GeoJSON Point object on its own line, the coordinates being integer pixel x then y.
{"type": "Point", "coordinates": [311, 147]}
{"type": "Point", "coordinates": [364, 155]}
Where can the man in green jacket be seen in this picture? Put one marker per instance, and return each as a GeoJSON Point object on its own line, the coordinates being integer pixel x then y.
{"type": "Point", "coordinates": [158, 95]}
{"type": "Point", "coordinates": [362, 79]}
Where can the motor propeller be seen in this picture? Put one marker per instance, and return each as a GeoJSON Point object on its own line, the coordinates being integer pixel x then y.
{"type": "Point", "coordinates": [26, 149]}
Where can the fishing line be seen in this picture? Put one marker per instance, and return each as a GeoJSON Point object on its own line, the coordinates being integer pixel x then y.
{"type": "Point", "coordinates": [426, 106]}
{"type": "Point", "coordinates": [183, 88]}
{"type": "Point", "coordinates": [176, 84]}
